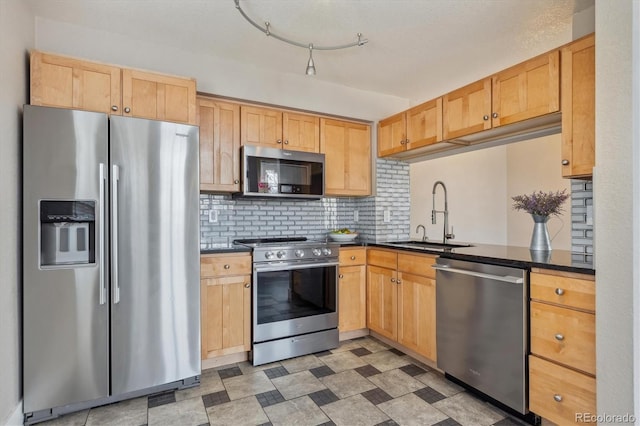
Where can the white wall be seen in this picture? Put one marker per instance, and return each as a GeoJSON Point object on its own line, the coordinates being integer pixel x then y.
{"type": "Point", "coordinates": [480, 185]}
{"type": "Point", "coordinates": [216, 75]}
{"type": "Point", "coordinates": [16, 37]}
{"type": "Point", "coordinates": [613, 195]}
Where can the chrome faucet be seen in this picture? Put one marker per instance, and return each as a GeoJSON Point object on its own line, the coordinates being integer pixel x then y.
{"type": "Point", "coordinates": [445, 233]}
{"type": "Point", "coordinates": [424, 232]}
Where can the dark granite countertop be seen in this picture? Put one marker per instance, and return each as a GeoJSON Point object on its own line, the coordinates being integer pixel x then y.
{"type": "Point", "coordinates": [223, 248]}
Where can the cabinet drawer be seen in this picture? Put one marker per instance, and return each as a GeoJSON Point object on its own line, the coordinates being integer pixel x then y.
{"type": "Point", "coordinates": [353, 256]}
{"type": "Point", "coordinates": [576, 291]}
{"type": "Point", "coordinates": [560, 394]}
{"type": "Point", "coordinates": [212, 265]}
{"type": "Point", "coordinates": [417, 264]}
{"type": "Point", "coordinates": [564, 335]}
{"type": "Point", "coordinates": [383, 258]}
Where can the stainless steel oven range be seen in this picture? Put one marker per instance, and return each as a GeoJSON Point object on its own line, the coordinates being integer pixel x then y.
{"type": "Point", "coordinates": [294, 299]}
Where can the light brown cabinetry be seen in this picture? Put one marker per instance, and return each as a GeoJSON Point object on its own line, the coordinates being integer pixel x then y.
{"type": "Point", "coordinates": [65, 82]}
{"type": "Point", "coordinates": [527, 90]}
{"type": "Point", "coordinates": [347, 149]}
{"type": "Point", "coordinates": [415, 128]}
{"type": "Point", "coordinates": [578, 108]}
{"type": "Point", "coordinates": [401, 303]}
{"type": "Point", "coordinates": [219, 123]}
{"type": "Point", "coordinates": [562, 362]}
{"type": "Point", "coordinates": [352, 289]}
{"type": "Point", "coordinates": [276, 129]}
{"type": "Point", "coordinates": [225, 303]}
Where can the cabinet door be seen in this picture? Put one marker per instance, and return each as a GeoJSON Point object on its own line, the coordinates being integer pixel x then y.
{"type": "Point", "coordinates": [382, 301]}
{"type": "Point", "coordinates": [301, 132]}
{"type": "Point", "coordinates": [72, 83]}
{"type": "Point", "coordinates": [347, 150]}
{"type": "Point", "coordinates": [260, 126]}
{"type": "Point", "coordinates": [352, 298]}
{"type": "Point", "coordinates": [158, 97]}
{"type": "Point", "coordinates": [417, 314]}
{"type": "Point", "coordinates": [392, 134]}
{"type": "Point", "coordinates": [527, 90]}
{"type": "Point", "coordinates": [219, 145]}
{"type": "Point", "coordinates": [424, 124]}
{"type": "Point", "coordinates": [226, 315]}
{"type": "Point", "coordinates": [578, 108]}
{"type": "Point", "coordinates": [467, 110]}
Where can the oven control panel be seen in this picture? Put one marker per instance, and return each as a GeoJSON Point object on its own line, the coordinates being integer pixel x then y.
{"type": "Point", "coordinates": [294, 253]}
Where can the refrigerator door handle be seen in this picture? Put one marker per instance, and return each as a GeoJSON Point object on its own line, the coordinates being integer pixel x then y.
{"type": "Point", "coordinates": [114, 232]}
{"type": "Point", "coordinates": [103, 289]}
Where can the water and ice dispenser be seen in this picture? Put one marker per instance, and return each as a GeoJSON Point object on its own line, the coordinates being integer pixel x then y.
{"type": "Point", "coordinates": [67, 232]}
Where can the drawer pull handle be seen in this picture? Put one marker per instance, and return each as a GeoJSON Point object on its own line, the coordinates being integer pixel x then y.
{"type": "Point", "coordinates": [247, 285]}
{"type": "Point", "coordinates": [559, 291]}
{"type": "Point", "coordinates": [353, 258]}
{"type": "Point", "coordinates": [559, 337]}
{"type": "Point", "coordinates": [340, 276]}
{"type": "Point", "coordinates": [227, 266]}
{"type": "Point", "coordinates": [393, 280]}
{"type": "Point", "coordinates": [557, 398]}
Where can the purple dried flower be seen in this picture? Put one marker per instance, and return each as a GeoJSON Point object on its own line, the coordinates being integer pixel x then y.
{"type": "Point", "coordinates": [541, 203]}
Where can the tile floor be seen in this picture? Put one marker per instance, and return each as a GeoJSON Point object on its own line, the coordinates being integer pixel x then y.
{"type": "Point", "coordinates": [362, 382]}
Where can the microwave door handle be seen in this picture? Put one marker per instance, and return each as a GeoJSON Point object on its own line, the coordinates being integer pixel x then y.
{"type": "Point", "coordinates": [101, 232]}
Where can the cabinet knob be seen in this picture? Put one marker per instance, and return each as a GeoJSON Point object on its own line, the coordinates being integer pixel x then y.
{"type": "Point", "coordinates": [485, 117]}
{"type": "Point", "coordinates": [247, 285]}
{"type": "Point", "coordinates": [279, 141]}
{"type": "Point", "coordinates": [340, 276]}
{"type": "Point", "coordinates": [406, 141]}
{"type": "Point", "coordinates": [227, 266]}
{"type": "Point", "coordinates": [559, 337]}
{"type": "Point", "coordinates": [127, 110]}
{"type": "Point", "coordinates": [557, 398]}
{"type": "Point", "coordinates": [494, 115]}
{"type": "Point", "coordinates": [286, 141]}
{"type": "Point", "coordinates": [559, 291]}
{"type": "Point", "coordinates": [236, 181]}
{"type": "Point", "coordinates": [393, 280]}
{"type": "Point", "coordinates": [353, 258]}
{"type": "Point", "coordinates": [565, 162]}
{"type": "Point", "coordinates": [114, 108]}
{"type": "Point", "coordinates": [398, 281]}
{"type": "Point", "coordinates": [401, 141]}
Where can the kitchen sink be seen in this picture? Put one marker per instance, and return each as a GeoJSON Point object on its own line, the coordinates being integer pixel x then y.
{"type": "Point", "coordinates": [429, 244]}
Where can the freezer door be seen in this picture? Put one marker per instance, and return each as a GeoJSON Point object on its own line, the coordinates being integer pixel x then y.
{"type": "Point", "coordinates": [155, 323]}
{"type": "Point", "coordinates": [65, 300]}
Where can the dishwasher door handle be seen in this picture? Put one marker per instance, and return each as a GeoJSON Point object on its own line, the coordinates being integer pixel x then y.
{"type": "Point", "coordinates": [506, 278]}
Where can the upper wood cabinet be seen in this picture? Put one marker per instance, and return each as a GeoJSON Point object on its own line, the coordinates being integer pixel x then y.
{"type": "Point", "coordinates": [219, 123]}
{"type": "Point", "coordinates": [347, 150]}
{"type": "Point", "coordinates": [158, 97]}
{"type": "Point", "coordinates": [59, 81]}
{"type": "Point", "coordinates": [65, 82]}
{"type": "Point", "coordinates": [578, 108]}
{"type": "Point", "coordinates": [277, 129]}
{"type": "Point", "coordinates": [417, 127]}
{"type": "Point", "coordinates": [527, 90]}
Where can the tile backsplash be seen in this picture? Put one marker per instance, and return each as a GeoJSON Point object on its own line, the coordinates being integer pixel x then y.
{"type": "Point", "coordinates": [223, 219]}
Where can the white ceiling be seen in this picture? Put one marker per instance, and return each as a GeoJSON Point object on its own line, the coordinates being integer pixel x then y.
{"type": "Point", "coordinates": [410, 41]}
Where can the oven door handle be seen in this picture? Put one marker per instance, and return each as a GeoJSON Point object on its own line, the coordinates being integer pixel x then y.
{"type": "Point", "coordinates": [287, 267]}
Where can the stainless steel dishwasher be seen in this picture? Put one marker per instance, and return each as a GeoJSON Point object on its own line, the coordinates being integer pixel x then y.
{"type": "Point", "coordinates": [481, 317]}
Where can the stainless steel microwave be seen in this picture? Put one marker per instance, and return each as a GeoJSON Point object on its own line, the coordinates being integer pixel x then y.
{"type": "Point", "coordinates": [272, 172]}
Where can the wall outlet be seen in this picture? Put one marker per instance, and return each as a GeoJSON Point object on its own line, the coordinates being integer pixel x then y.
{"type": "Point", "coordinates": [355, 216]}
{"type": "Point", "coordinates": [386, 217]}
{"type": "Point", "coordinates": [213, 216]}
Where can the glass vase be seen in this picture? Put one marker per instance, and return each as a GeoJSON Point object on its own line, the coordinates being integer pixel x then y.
{"type": "Point", "coordinates": [540, 240]}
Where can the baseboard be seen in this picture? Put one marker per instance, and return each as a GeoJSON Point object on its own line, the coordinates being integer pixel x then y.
{"type": "Point", "coordinates": [353, 334]}
{"type": "Point", "coordinates": [224, 360]}
{"type": "Point", "coordinates": [412, 354]}
{"type": "Point", "coordinates": [17, 417]}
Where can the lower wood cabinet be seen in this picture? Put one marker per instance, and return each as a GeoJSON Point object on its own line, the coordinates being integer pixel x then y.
{"type": "Point", "coordinates": [562, 384]}
{"type": "Point", "coordinates": [401, 299]}
{"type": "Point", "coordinates": [225, 303]}
{"type": "Point", "coordinates": [352, 289]}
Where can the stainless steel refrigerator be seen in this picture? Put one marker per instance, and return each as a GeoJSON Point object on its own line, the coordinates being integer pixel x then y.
{"type": "Point", "coordinates": [111, 287]}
